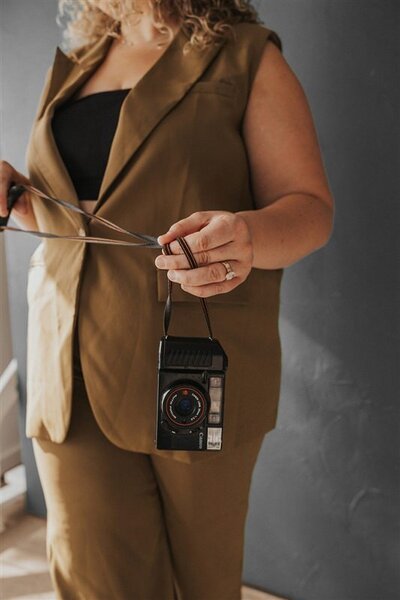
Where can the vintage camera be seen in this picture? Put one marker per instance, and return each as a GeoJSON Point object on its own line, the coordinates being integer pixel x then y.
{"type": "Point", "coordinates": [190, 405]}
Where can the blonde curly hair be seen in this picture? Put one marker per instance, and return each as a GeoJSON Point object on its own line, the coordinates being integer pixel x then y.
{"type": "Point", "coordinates": [204, 21]}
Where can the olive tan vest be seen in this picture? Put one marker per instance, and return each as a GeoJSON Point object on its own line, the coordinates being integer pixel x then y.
{"type": "Point", "coordinates": [178, 149]}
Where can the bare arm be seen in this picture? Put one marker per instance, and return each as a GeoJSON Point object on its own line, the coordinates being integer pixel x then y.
{"type": "Point", "coordinates": [295, 209]}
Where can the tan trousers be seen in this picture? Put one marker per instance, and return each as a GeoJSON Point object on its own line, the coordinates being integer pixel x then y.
{"type": "Point", "coordinates": [124, 525]}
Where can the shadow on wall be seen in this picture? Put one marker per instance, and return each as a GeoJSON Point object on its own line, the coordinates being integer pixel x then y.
{"type": "Point", "coordinates": [322, 522]}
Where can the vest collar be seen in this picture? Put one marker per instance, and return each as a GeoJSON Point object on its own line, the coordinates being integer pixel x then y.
{"type": "Point", "coordinates": [157, 93]}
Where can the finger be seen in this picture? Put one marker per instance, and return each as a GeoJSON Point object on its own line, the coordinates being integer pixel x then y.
{"type": "Point", "coordinates": [181, 228]}
{"type": "Point", "coordinates": [205, 291]}
{"type": "Point", "coordinates": [179, 261]}
{"type": "Point", "coordinates": [5, 180]}
{"type": "Point", "coordinates": [8, 176]}
{"type": "Point", "coordinates": [214, 273]}
{"type": "Point", "coordinates": [189, 225]}
{"type": "Point", "coordinates": [217, 232]}
{"type": "Point", "coordinates": [21, 205]}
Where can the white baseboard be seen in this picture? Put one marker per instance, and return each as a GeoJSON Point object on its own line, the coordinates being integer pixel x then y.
{"type": "Point", "coordinates": [12, 495]}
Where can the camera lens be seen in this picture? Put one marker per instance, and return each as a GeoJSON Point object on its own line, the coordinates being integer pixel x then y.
{"type": "Point", "coordinates": [185, 405]}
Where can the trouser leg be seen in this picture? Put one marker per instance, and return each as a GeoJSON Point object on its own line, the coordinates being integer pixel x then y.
{"type": "Point", "coordinates": [106, 537]}
{"type": "Point", "coordinates": [205, 506]}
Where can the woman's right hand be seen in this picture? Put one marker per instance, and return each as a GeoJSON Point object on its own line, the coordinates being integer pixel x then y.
{"type": "Point", "coordinates": [9, 176]}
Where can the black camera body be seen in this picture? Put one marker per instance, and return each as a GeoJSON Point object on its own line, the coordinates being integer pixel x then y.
{"type": "Point", "coordinates": [191, 384]}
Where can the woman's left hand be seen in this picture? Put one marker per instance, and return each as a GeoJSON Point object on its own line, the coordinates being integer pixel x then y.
{"type": "Point", "coordinates": [213, 236]}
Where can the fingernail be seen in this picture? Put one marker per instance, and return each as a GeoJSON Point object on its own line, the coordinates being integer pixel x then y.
{"type": "Point", "coordinates": [171, 275]}
{"type": "Point", "coordinates": [160, 262]}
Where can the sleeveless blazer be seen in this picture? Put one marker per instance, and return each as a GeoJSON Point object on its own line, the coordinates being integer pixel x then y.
{"type": "Point", "coordinates": [178, 148]}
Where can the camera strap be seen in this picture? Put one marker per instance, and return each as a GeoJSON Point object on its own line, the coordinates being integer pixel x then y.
{"type": "Point", "coordinates": [148, 241]}
{"type": "Point", "coordinates": [15, 192]}
{"type": "Point", "coordinates": [168, 304]}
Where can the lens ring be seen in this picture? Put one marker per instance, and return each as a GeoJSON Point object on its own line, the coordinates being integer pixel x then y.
{"type": "Point", "coordinates": [183, 406]}
{"type": "Point", "coordinates": [182, 392]}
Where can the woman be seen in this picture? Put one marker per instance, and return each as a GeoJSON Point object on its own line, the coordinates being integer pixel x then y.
{"type": "Point", "coordinates": [163, 122]}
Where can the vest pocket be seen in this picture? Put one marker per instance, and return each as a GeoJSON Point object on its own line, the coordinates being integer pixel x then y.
{"type": "Point", "coordinates": [222, 87]}
{"type": "Point", "coordinates": [239, 295]}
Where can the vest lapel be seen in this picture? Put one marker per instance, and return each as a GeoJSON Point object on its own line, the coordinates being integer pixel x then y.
{"type": "Point", "coordinates": [156, 94]}
{"type": "Point", "coordinates": [66, 76]}
{"type": "Point", "coordinates": [159, 90]}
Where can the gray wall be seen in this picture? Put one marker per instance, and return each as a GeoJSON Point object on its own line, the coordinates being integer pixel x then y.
{"type": "Point", "coordinates": [322, 522]}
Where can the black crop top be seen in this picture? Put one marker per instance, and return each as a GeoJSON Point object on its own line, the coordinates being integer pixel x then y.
{"type": "Point", "coordinates": [83, 130]}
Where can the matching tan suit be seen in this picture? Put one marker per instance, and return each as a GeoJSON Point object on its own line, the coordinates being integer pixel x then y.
{"type": "Point", "coordinates": [147, 517]}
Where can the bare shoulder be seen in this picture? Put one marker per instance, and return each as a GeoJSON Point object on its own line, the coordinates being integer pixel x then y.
{"type": "Point", "coordinates": [279, 132]}
{"type": "Point", "coordinates": [274, 75]}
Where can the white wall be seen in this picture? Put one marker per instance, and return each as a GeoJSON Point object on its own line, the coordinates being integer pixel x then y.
{"type": "Point", "coordinates": [10, 453]}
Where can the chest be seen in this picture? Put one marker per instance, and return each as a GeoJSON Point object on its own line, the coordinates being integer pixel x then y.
{"type": "Point", "coordinates": [177, 141]}
{"type": "Point", "coordinates": [122, 68]}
